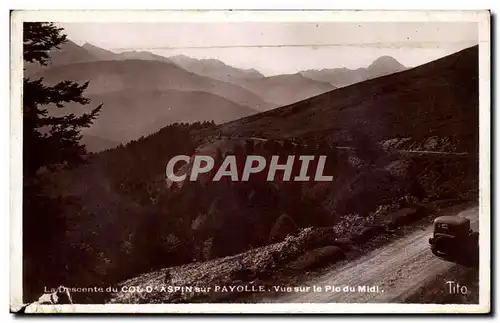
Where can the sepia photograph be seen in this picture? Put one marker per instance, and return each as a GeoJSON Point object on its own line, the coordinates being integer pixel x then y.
{"type": "Point", "coordinates": [250, 162]}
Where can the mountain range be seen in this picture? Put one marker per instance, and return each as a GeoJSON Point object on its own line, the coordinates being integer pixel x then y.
{"type": "Point", "coordinates": [180, 88]}
{"type": "Point", "coordinates": [142, 96]}
{"type": "Point", "coordinates": [279, 89]}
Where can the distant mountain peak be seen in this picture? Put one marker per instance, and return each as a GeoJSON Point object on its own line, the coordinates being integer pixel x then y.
{"type": "Point", "coordinates": [181, 56]}
{"type": "Point", "coordinates": [89, 45]}
{"type": "Point", "coordinates": [137, 52]}
{"type": "Point", "coordinates": [98, 52]}
{"type": "Point", "coordinates": [213, 67]}
{"type": "Point", "coordinates": [386, 63]}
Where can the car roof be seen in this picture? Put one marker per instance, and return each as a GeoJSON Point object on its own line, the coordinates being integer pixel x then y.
{"type": "Point", "coordinates": [452, 219]}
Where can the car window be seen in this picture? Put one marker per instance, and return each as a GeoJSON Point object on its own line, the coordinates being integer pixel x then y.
{"type": "Point", "coordinates": [442, 227]}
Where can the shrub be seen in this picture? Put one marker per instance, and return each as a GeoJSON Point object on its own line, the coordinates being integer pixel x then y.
{"type": "Point", "coordinates": [283, 226]}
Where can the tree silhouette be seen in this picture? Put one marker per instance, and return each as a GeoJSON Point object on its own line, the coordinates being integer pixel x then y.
{"type": "Point", "coordinates": [50, 140]}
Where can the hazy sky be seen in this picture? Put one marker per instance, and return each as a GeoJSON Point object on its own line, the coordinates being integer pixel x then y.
{"type": "Point", "coordinates": [277, 48]}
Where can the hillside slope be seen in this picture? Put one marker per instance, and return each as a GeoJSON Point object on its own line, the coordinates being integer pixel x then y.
{"type": "Point", "coordinates": [129, 114]}
{"type": "Point", "coordinates": [144, 55]}
{"type": "Point", "coordinates": [286, 89]}
{"type": "Point", "coordinates": [436, 99]}
{"type": "Point", "coordinates": [95, 144]}
{"type": "Point", "coordinates": [100, 53]}
{"type": "Point", "coordinates": [67, 53]}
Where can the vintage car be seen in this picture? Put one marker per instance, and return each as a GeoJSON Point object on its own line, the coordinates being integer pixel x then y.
{"type": "Point", "coordinates": [453, 238]}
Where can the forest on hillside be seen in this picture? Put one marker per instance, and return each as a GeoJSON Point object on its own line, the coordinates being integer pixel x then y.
{"type": "Point", "coordinates": [119, 218]}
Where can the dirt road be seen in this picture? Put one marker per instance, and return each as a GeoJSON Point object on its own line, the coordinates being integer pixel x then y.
{"type": "Point", "coordinates": [397, 269]}
{"type": "Point", "coordinates": [417, 152]}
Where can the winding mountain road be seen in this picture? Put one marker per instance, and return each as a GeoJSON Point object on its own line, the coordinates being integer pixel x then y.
{"type": "Point", "coordinates": [406, 151]}
{"type": "Point", "coordinates": [398, 269]}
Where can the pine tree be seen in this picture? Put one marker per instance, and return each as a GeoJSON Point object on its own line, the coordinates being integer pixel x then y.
{"type": "Point", "coordinates": [50, 140]}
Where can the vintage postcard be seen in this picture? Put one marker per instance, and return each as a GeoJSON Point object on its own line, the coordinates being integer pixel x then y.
{"type": "Point", "coordinates": [265, 162]}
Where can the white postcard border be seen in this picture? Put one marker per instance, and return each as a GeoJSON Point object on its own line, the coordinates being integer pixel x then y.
{"type": "Point", "coordinates": [482, 17]}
